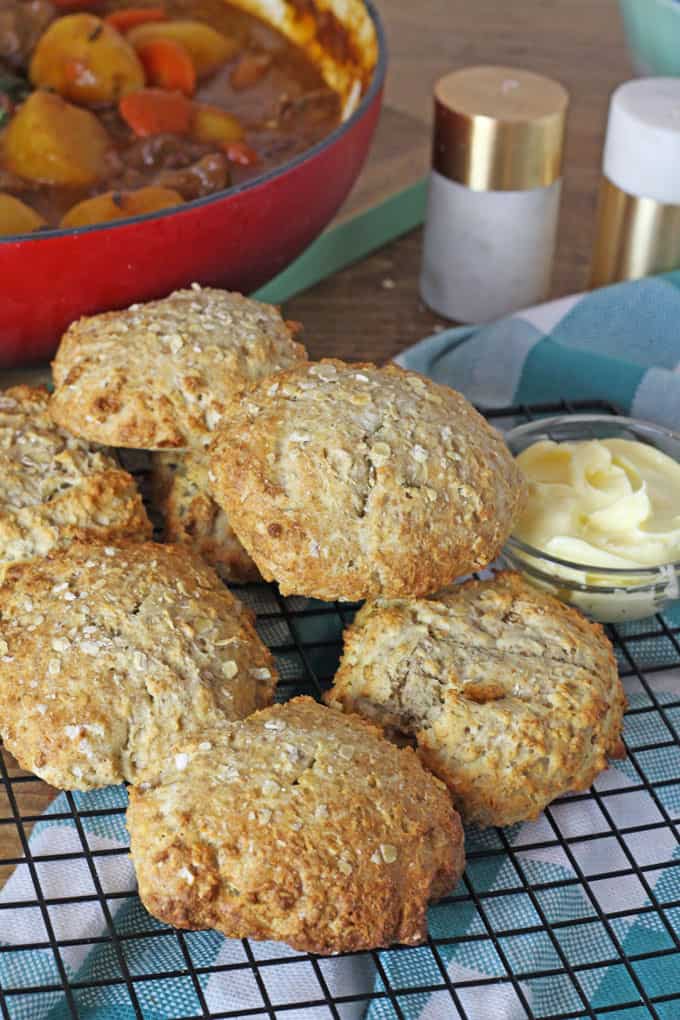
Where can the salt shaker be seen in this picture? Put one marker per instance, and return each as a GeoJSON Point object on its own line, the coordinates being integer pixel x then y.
{"type": "Point", "coordinates": [638, 220]}
{"type": "Point", "coordinates": [494, 192]}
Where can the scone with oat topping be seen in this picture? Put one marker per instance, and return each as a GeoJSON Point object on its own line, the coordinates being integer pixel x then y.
{"type": "Point", "coordinates": [56, 489]}
{"type": "Point", "coordinates": [156, 376]}
{"type": "Point", "coordinates": [109, 654]}
{"type": "Point", "coordinates": [347, 481]}
{"type": "Point", "coordinates": [181, 491]}
{"type": "Point", "coordinates": [298, 824]}
{"type": "Point", "coordinates": [511, 697]}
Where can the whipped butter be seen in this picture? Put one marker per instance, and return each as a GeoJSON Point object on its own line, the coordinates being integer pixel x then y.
{"type": "Point", "coordinates": [608, 503]}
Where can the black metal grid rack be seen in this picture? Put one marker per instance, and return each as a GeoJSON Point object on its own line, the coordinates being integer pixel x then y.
{"type": "Point", "coordinates": [575, 916]}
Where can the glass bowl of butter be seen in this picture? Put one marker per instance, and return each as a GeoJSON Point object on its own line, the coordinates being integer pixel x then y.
{"type": "Point", "coordinates": [601, 526]}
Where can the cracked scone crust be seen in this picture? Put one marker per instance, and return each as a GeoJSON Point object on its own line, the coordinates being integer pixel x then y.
{"type": "Point", "coordinates": [296, 824]}
{"type": "Point", "coordinates": [512, 697]}
{"type": "Point", "coordinates": [56, 489]}
{"type": "Point", "coordinates": [108, 654]}
{"type": "Point", "coordinates": [156, 375]}
{"type": "Point", "coordinates": [181, 492]}
{"type": "Point", "coordinates": [348, 481]}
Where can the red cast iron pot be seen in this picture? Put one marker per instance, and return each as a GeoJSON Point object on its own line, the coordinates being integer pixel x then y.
{"type": "Point", "coordinates": [239, 238]}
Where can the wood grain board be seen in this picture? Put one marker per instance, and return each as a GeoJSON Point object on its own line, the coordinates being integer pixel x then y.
{"type": "Point", "coordinates": [372, 310]}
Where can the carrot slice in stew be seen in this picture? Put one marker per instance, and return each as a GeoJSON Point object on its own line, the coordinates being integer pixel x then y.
{"type": "Point", "coordinates": [241, 153]}
{"type": "Point", "coordinates": [130, 17]}
{"type": "Point", "coordinates": [207, 48]}
{"type": "Point", "coordinates": [156, 111]}
{"type": "Point", "coordinates": [168, 65]}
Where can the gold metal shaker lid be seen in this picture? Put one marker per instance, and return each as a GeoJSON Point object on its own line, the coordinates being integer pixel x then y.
{"type": "Point", "coordinates": [499, 128]}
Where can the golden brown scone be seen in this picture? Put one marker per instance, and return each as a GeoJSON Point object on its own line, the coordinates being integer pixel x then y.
{"type": "Point", "coordinates": [156, 375]}
{"type": "Point", "coordinates": [181, 491]}
{"type": "Point", "coordinates": [348, 481]}
{"type": "Point", "coordinates": [298, 824]}
{"type": "Point", "coordinates": [108, 654]}
{"type": "Point", "coordinates": [56, 489]}
{"type": "Point", "coordinates": [512, 697]}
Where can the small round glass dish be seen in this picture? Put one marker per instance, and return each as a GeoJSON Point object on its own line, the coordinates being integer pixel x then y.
{"type": "Point", "coordinates": [603, 593]}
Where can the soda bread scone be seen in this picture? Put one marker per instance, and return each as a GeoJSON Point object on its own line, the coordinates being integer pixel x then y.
{"type": "Point", "coordinates": [347, 481]}
{"type": "Point", "coordinates": [108, 654]}
{"type": "Point", "coordinates": [181, 492]}
{"type": "Point", "coordinates": [156, 375]}
{"type": "Point", "coordinates": [56, 489]}
{"type": "Point", "coordinates": [512, 697]}
{"type": "Point", "coordinates": [298, 824]}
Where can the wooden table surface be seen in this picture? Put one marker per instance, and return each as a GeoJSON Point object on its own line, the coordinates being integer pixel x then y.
{"type": "Point", "coordinates": [372, 310]}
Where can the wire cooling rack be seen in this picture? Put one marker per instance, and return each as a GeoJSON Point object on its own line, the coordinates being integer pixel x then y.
{"type": "Point", "coordinates": [572, 916]}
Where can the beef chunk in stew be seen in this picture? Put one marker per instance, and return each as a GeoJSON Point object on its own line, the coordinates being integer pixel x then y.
{"type": "Point", "coordinates": [21, 25]}
{"type": "Point", "coordinates": [158, 102]}
{"type": "Point", "coordinates": [209, 174]}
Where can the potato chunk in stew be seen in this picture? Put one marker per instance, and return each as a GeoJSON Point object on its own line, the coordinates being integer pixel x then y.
{"type": "Point", "coordinates": [210, 124]}
{"type": "Point", "coordinates": [16, 217]}
{"type": "Point", "coordinates": [121, 107]}
{"type": "Point", "coordinates": [87, 61]}
{"type": "Point", "coordinates": [51, 141]}
{"type": "Point", "coordinates": [207, 48]}
{"type": "Point", "coordinates": [118, 205]}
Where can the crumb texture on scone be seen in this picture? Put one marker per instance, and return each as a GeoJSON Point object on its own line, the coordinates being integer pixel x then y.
{"type": "Point", "coordinates": [181, 492]}
{"type": "Point", "coordinates": [297, 824]}
{"type": "Point", "coordinates": [347, 481]}
{"type": "Point", "coordinates": [110, 653]}
{"type": "Point", "coordinates": [56, 489]}
{"type": "Point", "coordinates": [156, 375]}
{"type": "Point", "coordinates": [512, 697]}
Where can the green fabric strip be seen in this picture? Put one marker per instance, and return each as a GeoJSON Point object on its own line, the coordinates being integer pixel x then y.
{"type": "Point", "coordinates": [348, 243]}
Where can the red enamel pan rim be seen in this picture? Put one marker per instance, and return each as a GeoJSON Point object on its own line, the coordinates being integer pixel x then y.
{"type": "Point", "coordinates": [376, 85]}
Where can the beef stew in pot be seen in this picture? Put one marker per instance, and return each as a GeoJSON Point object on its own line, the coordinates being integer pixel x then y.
{"type": "Point", "coordinates": [108, 112]}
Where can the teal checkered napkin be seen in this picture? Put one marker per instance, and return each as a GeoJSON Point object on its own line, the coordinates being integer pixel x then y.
{"type": "Point", "coordinates": [621, 343]}
{"type": "Point", "coordinates": [147, 946]}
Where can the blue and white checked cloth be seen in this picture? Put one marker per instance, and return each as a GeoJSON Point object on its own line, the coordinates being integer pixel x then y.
{"type": "Point", "coordinates": [621, 344]}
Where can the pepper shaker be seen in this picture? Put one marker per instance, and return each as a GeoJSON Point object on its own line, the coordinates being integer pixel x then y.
{"type": "Point", "coordinates": [494, 192]}
{"type": "Point", "coordinates": [638, 219]}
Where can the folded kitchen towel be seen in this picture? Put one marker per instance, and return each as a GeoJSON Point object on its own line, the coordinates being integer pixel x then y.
{"type": "Point", "coordinates": [623, 345]}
